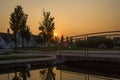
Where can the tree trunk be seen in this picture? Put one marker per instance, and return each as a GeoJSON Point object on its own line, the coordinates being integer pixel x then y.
{"type": "Point", "coordinates": [15, 43]}
{"type": "Point", "coordinates": [22, 42]}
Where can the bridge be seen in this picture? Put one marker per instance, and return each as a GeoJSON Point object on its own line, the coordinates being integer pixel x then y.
{"type": "Point", "coordinates": [100, 46]}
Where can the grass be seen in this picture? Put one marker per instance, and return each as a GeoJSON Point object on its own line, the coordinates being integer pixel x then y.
{"type": "Point", "coordinates": [67, 48]}
{"type": "Point", "coordinates": [40, 49]}
{"type": "Point", "coordinates": [83, 48]}
{"type": "Point", "coordinates": [116, 48]}
{"type": "Point", "coordinates": [14, 57]}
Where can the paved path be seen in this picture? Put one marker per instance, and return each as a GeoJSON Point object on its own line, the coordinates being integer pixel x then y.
{"type": "Point", "coordinates": [115, 53]}
{"type": "Point", "coordinates": [25, 60]}
{"type": "Point", "coordinates": [28, 53]}
{"type": "Point", "coordinates": [100, 54]}
{"type": "Point", "coordinates": [89, 55]}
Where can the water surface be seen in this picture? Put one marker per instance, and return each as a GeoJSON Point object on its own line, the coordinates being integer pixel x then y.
{"type": "Point", "coordinates": [51, 73]}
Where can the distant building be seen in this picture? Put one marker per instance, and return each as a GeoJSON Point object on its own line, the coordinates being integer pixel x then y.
{"type": "Point", "coordinates": [116, 41]}
{"type": "Point", "coordinates": [6, 41]}
{"type": "Point", "coordinates": [32, 41]}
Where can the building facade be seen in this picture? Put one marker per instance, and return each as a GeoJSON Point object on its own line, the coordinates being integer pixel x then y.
{"type": "Point", "coordinates": [7, 41]}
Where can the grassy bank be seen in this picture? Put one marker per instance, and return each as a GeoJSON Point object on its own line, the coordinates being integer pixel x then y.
{"type": "Point", "coordinates": [67, 48]}
{"type": "Point", "coordinates": [15, 57]}
{"type": "Point", "coordinates": [41, 49]}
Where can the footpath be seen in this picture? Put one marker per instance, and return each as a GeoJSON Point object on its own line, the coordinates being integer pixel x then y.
{"type": "Point", "coordinates": [4, 52]}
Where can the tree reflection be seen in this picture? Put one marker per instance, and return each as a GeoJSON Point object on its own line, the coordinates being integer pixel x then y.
{"type": "Point", "coordinates": [25, 73]}
{"type": "Point", "coordinates": [16, 77]}
{"type": "Point", "coordinates": [47, 74]}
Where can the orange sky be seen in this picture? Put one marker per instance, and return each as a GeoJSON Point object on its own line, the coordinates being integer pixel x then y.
{"type": "Point", "coordinates": [72, 17]}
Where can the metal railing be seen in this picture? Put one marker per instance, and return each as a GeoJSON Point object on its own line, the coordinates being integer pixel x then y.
{"type": "Point", "coordinates": [100, 43]}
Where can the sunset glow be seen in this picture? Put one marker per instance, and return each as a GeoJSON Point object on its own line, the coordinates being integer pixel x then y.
{"type": "Point", "coordinates": [55, 34]}
{"type": "Point", "coordinates": [72, 17]}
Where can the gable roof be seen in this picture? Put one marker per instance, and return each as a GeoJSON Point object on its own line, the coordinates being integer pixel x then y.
{"type": "Point", "coordinates": [5, 36]}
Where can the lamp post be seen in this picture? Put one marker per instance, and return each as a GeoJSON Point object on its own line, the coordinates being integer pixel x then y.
{"type": "Point", "coordinates": [8, 32]}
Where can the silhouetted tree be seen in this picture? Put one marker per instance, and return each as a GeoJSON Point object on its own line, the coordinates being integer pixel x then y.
{"type": "Point", "coordinates": [46, 28]}
{"type": "Point", "coordinates": [17, 20]}
{"type": "Point", "coordinates": [41, 38]}
{"type": "Point", "coordinates": [24, 30]}
{"type": "Point", "coordinates": [62, 41]}
{"type": "Point", "coordinates": [71, 41]}
{"type": "Point", "coordinates": [67, 39]}
{"type": "Point", "coordinates": [28, 34]}
{"type": "Point", "coordinates": [56, 40]}
{"type": "Point", "coordinates": [8, 30]}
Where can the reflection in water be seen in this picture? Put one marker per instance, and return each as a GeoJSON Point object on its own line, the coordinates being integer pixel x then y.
{"type": "Point", "coordinates": [51, 73]}
{"type": "Point", "coordinates": [16, 77]}
{"type": "Point", "coordinates": [80, 73]}
{"type": "Point", "coordinates": [47, 74]}
{"type": "Point", "coordinates": [25, 72]}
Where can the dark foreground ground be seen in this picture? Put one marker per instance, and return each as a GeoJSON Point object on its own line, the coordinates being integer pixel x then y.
{"type": "Point", "coordinates": [108, 69]}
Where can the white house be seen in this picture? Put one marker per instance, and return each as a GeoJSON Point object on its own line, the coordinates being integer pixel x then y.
{"type": "Point", "coordinates": [4, 40]}
{"type": "Point", "coordinates": [32, 41]}
{"type": "Point", "coordinates": [7, 42]}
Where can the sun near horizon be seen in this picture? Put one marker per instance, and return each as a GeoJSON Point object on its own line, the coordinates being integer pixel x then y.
{"type": "Point", "coordinates": [55, 34]}
{"type": "Point", "coordinates": [72, 17]}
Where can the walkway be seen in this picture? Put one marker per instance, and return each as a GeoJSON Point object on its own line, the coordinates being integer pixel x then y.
{"type": "Point", "coordinates": [89, 55]}
{"type": "Point", "coordinates": [28, 53]}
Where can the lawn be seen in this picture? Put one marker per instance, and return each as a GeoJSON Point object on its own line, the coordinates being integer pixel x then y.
{"type": "Point", "coordinates": [15, 57]}
{"type": "Point", "coordinates": [68, 48]}
{"type": "Point", "coordinates": [41, 49]}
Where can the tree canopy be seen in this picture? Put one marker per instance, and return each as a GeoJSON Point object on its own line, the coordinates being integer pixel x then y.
{"type": "Point", "coordinates": [18, 20]}
{"type": "Point", "coordinates": [46, 28]}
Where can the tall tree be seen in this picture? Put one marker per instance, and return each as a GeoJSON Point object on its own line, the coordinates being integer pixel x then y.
{"type": "Point", "coordinates": [24, 30]}
{"type": "Point", "coordinates": [56, 40]}
{"type": "Point", "coordinates": [67, 39]}
{"type": "Point", "coordinates": [71, 41]}
{"type": "Point", "coordinates": [28, 34]}
{"type": "Point", "coordinates": [17, 22]}
{"type": "Point", "coordinates": [47, 28]}
{"type": "Point", "coordinates": [62, 41]}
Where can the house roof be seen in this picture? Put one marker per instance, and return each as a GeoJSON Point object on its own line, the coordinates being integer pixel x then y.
{"type": "Point", "coordinates": [5, 36]}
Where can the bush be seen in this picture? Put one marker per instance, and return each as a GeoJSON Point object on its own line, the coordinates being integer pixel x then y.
{"type": "Point", "coordinates": [95, 43]}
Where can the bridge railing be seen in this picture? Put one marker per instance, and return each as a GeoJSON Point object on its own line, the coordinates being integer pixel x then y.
{"type": "Point", "coordinates": [107, 43]}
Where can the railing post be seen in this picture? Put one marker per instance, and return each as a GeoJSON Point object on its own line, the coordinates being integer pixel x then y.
{"type": "Point", "coordinates": [86, 46]}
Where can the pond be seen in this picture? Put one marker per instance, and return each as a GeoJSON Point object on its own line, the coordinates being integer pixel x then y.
{"type": "Point", "coordinates": [58, 75]}
{"type": "Point", "coordinates": [59, 72]}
